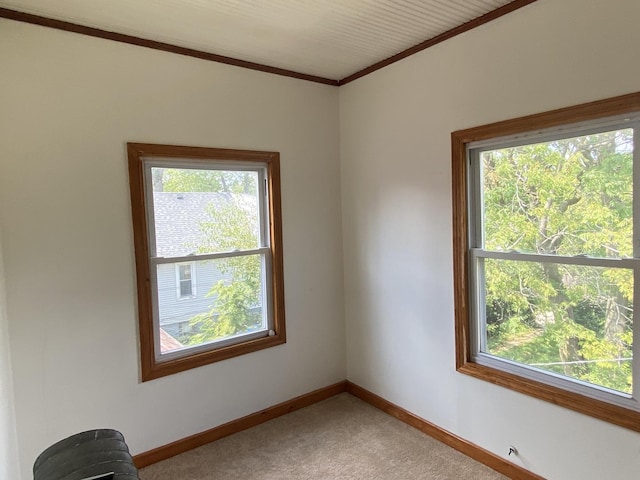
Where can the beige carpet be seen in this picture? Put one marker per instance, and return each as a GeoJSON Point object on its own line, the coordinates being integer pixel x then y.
{"type": "Point", "coordinates": [339, 438]}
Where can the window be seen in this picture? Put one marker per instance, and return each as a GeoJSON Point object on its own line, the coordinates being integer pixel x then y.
{"type": "Point", "coordinates": [185, 280]}
{"type": "Point", "coordinates": [546, 213]}
{"type": "Point", "coordinates": [211, 215]}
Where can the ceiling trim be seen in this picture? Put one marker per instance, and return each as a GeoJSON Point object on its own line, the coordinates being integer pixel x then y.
{"type": "Point", "coordinates": [165, 47]}
{"type": "Point", "coordinates": [465, 27]}
{"type": "Point", "coordinates": [190, 52]}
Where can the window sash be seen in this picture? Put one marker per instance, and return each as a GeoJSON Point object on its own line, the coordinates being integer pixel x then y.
{"type": "Point", "coordinates": [475, 149]}
{"type": "Point", "coordinates": [220, 166]}
{"type": "Point", "coordinates": [207, 256]}
{"type": "Point", "coordinates": [265, 272]}
{"type": "Point", "coordinates": [478, 329]}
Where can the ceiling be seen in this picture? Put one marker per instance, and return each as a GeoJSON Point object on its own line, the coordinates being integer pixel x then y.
{"type": "Point", "coordinates": [332, 39]}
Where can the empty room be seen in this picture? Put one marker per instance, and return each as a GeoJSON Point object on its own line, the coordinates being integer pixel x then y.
{"type": "Point", "coordinates": [218, 215]}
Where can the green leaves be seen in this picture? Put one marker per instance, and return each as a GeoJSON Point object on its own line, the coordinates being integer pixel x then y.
{"type": "Point", "coordinates": [566, 197]}
{"type": "Point", "coordinates": [232, 225]}
{"type": "Point", "coordinates": [236, 307]}
{"type": "Point", "coordinates": [182, 180]}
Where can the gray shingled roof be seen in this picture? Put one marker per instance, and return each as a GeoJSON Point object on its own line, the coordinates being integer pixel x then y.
{"type": "Point", "coordinates": [178, 217]}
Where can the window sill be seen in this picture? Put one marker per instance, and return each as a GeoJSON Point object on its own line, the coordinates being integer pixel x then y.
{"type": "Point", "coordinates": [157, 369]}
{"type": "Point", "coordinates": [599, 409]}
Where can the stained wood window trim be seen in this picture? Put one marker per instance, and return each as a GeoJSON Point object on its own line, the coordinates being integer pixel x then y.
{"type": "Point", "coordinates": [461, 192]}
{"type": "Point", "coordinates": [150, 366]}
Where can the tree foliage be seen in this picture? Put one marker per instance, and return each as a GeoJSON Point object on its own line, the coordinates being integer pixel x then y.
{"type": "Point", "coordinates": [236, 305]}
{"type": "Point", "coordinates": [571, 197]}
{"type": "Point", "coordinates": [197, 180]}
{"type": "Point", "coordinates": [231, 225]}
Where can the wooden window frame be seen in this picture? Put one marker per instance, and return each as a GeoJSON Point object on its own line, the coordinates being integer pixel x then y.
{"type": "Point", "coordinates": [150, 367]}
{"type": "Point", "coordinates": [603, 410]}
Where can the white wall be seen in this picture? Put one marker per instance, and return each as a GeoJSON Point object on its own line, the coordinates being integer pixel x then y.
{"type": "Point", "coordinates": [9, 463]}
{"type": "Point", "coordinates": [396, 194]}
{"type": "Point", "coordinates": [68, 105]}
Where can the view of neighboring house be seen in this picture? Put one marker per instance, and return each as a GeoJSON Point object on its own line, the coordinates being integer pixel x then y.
{"type": "Point", "coordinates": [183, 288]}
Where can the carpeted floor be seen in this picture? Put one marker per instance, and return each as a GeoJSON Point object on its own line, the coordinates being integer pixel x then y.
{"type": "Point", "coordinates": [339, 438]}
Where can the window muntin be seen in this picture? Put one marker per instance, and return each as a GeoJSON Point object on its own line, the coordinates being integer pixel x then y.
{"type": "Point", "coordinates": [576, 283]}
{"type": "Point", "coordinates": [214, 212]}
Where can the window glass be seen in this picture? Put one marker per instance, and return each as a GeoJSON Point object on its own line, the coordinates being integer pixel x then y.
{"type": "Point", "coordinates": [571, 196]}
{"type": "Point", "coordinates": [571, 320]}
{"type": "Point", "coordinates": [186, 283]}
{"type": "Point", "coordinates": [198, 211]}
{"type": "Point", "coordinates": [232, 306]}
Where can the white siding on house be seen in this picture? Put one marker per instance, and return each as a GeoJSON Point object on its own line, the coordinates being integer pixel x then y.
{"type": "Point", "coordinates": [179, 227]}
{"type": "Point", "coordinates": [174, 310]}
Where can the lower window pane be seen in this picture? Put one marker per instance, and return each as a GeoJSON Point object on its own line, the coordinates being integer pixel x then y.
{"type": "Point", "coordinates": [571, 320]}
{"type": "Point", "coordinates": [227, 301]}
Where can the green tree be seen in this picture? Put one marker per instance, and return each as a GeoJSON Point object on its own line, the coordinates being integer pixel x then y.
{"type": "Point", "coordinates": [197, 180]}
{"type": "Point", "coordinates": [237, 299]}
{"type": "Point", "coordinates": [567, 197]}
{"type": "Point", "coordinates": [231, 225]}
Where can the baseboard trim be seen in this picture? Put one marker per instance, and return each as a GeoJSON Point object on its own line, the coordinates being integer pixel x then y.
{"type": "Point", "coordinates": [471, 450]}
{"type": "Point", "coordinates": [180, 446]}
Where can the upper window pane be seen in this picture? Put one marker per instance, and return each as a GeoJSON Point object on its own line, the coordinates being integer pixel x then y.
{"type": "Point", "coordinates": [198, 211]}
{"type": "Point", "coordinates": [571, 196]}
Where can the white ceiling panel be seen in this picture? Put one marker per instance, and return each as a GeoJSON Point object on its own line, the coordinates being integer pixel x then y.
{"type": "Point", "coordinates": [330, 38]}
